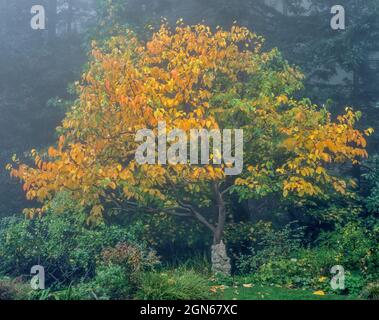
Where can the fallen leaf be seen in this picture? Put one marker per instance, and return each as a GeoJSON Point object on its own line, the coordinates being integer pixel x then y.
{"type": "Point", "coordinates": [319, 293]}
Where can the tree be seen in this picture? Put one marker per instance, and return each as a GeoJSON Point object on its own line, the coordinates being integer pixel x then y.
{"type": "Point", "coordinates": [191, 78]}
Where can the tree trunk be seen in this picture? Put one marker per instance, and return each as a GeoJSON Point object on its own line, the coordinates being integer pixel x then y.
{"type": "Point", "coordinates": [69, 16]}
{"type": "Point", "coordinates": [52, 20]}
{"type": "Point", "coordinates": [220, 259]}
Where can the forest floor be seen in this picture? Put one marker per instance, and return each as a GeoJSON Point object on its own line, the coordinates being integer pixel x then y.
{"type": "Point", "coordinates": [275, 293]}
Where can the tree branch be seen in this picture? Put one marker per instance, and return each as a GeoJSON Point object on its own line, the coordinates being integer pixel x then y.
{"type": "Point", "coordinates": [197, 215]}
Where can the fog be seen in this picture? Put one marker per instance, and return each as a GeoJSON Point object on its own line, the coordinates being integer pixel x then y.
{"type": "Point", "coordinates": [38, 66]}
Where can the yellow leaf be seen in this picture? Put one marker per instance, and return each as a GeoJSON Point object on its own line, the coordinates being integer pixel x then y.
{"type": "Point", "coordinates": [319, 293]}
{"type": "Point", "coordinates": [369, 131]}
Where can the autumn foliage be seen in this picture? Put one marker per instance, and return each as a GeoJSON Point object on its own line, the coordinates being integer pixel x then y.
{"type": "Point", "coordinates": [191, 78]}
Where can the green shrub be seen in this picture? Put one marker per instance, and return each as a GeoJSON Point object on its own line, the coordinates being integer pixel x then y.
{"type": "Point", "coordinates": [279, 258]}
{"type": "Point", "coordinates": [354, 284]}
{"type": "Point", "coordinates": [241, 237]}
{"type": "Point", "coordinates": [117, 277]}
{"type": "Point", "coordinates": [371, 178]}
{"type": "Point", "coordinates": [173, 237]}
{"type": "Point", "coordinates": [131, 257]}
{"type": "Point", "coordinates": [62, 244]}
{"type": "Point", "coordinates": [174, 285]}
{"type": "Point", "coordinates": [318, 260]}
{"type": "Point", "coordinates": [267, 244]}
{"type": "Point", "coordinates": [355, 246]}
{"type": "Point", "coordinates": [111, 282]}
{"type": "Point", "coordinates": [284, 272]}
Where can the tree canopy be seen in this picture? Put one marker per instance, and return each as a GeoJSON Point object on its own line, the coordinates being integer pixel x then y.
{"type": "Point", "coordinates": [191, 77]}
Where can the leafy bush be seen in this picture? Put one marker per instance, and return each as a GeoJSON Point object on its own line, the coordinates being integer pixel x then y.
{"type": "Point", "coordinates": [63, 244]}
{"type": "Point", "coordinates": [371, 177]}
{"type": "Point", "coordinates": [120, 271]}
{"type": "Point", "coordinates": [287, 263]}
{"type": "Point", "coordinates": [318, 260]}
{"type": "Point", "coordinates": [241, 237]}
{"type": "Point", "coordinates": [111, 282]}
{"type": "Point", "coordinates": [284, 272]}
{"type": "Point", "coordinates": [173, 237]}
{"type": "Point", "coordinates": [174, 285]}
{"type": "Point", "coordinates": [354, 284]}
{"type": "Point", "coordinates": [355, 246]}
{"type": "Point", "coordinates": [117, 277]}
{"type": "Point", "coordinates": [267, 243]}
{"type": "Point", "coordinates": [132, 258]}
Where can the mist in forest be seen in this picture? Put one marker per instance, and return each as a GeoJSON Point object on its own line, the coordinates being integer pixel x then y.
{"type": "Point", "coordinates": [38, 67]}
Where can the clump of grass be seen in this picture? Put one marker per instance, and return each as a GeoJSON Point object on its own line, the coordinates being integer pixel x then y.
{"type": "Point", "coordinates": [181, 284]}
{"type": "Point", "coordinates": [371, 291]}
{"type": "Point", "coordinates": [198, 262]}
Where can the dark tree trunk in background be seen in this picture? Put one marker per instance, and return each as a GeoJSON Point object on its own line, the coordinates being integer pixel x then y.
{"type": "Point", "coordinates": [285, 7]}
{"type": "Point", "coordinates": [69, 16]}
{"type": "Point", "coordinates": [52, 20]}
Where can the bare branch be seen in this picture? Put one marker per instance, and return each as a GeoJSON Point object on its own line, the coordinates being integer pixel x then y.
{"type": "Point", "coordinates": [197, 215]}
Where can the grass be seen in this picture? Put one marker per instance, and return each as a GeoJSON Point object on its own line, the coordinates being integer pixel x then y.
{"type": "Point", "coordinates": [274, 293]}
